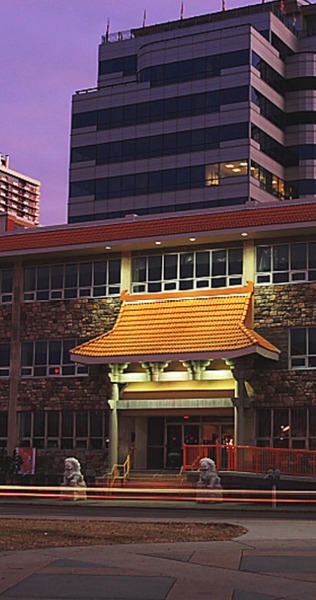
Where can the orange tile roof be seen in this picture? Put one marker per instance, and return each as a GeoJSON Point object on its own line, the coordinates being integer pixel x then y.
{"type": "Point", "coordinates": [186, 325]}
{"type": "Point", "coordinates": [142, 228]}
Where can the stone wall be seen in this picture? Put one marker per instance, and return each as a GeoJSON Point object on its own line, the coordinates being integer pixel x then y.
{"type": "Point", "coordinates": [5, 322]}
{"type": "Point", "coordinates": [67, 319]}
{"type": "Point", "coordinates": [277, 309]}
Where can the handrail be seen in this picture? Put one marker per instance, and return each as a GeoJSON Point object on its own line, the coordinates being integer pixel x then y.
{"type": "Point", "coordinates": [119, 472]}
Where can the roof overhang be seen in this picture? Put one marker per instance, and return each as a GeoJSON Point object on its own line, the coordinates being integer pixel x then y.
{"type": "Point", "coordinates": [139, 358]}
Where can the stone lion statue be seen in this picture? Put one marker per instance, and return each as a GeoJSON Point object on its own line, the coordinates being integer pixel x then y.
{"type": "Point", "coordinates": [73, 478]}
{"type": "Point", "coordinates": [209, 483]}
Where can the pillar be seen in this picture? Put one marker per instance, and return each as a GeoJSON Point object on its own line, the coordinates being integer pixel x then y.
{"type": "Point", "coordinates": [13, 434]}
{"type": "Point", "coordinates": [113, 426]}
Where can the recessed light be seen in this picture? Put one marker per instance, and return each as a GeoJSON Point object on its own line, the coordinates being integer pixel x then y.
{"type": "Point", "coordinates": [229, 166]}
{"type": "Point", "coordinates": [236, 170]}
{"type": "Point", "coordinates": [157, 243]}
{"type": "Point", "coordinates": [108, 247]}
{"type": "Point", "coordinates": [243, 164]}
{"type": "Point", "coordinates": [192, 239]}
{"type": "Point", "coordinates": [244, 234]}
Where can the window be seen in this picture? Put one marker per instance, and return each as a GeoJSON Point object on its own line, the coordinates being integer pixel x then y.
{"type": "Point", "coordinates": [285, 156]}
{"type": "Point", "coordinates": [3, 428]}
{"type": "Point", "coordinates": [284, 263]}
{"type": "Point", "coordinates": [303, 348]}
{"type": "Point", "coordinates": [5, 360]}
{"type": "Point", "coordinates": [50, 359]}
{"type": "Point", "coordinates": [73, 280]}
{"type": "Point", "coordinates": [197, 68]}
{"type": "Point", "coordinates": [273, 184]}
{"type": "Point", "coordinates": [269, 75]}
{"type": "Point", "coordinates": [124, 64]}
{"type": "Point", "coordinates": [286, 428]}
{"type": "Point", "coordinates": [269, 110]}
{"type": "Point", "coordinates": [61, 429]}
{"type": "Point", "coordinates": [162, 110]}
{"type": "Point", "coordinates": [188, 270]}
{"type": "Point", "coordinates": [6, 285]}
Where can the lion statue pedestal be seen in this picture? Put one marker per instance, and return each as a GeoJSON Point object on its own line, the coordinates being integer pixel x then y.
{"type": "Point", "coordinates": [73, 485]}
{"type": "Point", "coordinates": [209, 484]}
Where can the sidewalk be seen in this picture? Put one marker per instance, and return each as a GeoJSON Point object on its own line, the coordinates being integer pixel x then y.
{"type": "Point", "coordinates": [274, 560]}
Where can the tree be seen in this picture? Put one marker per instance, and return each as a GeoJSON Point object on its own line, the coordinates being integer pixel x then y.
{"type": "Point", "coordinates": [9, 464]}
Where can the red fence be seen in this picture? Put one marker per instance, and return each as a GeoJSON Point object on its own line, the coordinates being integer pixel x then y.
{"type": "Point", "coordinates": [252, 459]}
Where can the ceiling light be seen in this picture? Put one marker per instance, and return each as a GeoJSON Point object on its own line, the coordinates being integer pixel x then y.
{"type": "Point", "coordinates": [192, 239]}
{"type": "Point", "coordinates": [243, 164]}
{"type": "Point", "coordinates": [157, 243]}
{"type": "Point", "coordinates": [108, 247]}
{"type": "Point", "coordinates": [244, 234]}
{"type": "Point", "coordinates": [236, 170]}
{"type": "Point", "coordinates": [229, 166]}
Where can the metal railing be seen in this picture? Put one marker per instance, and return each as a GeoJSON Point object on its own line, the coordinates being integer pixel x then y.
{"type": "Point", "coordinates": [252, 459]}
{"type": "Point", "coordinates": [119, 472]}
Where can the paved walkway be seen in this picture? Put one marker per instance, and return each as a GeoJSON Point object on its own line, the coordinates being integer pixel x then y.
{"type": "Point", "coordinates": [275, 560]}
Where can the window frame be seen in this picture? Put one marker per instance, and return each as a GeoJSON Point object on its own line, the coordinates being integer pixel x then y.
{"type": "Point", "coordinates": [191, 282]}
{"type": "Point", "coordinates": [76, 291]}
{"type": "Point", "coordinates": [63, 368]}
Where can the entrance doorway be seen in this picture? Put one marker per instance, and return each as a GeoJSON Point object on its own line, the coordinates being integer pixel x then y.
{"type": "Point", "coordinates": [177, 435]}
{"type": "Point", "coordinates": [167, 435]}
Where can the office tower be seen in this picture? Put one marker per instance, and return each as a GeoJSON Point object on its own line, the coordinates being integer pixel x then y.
{"type": "Point", "coordinates": [199, 113]}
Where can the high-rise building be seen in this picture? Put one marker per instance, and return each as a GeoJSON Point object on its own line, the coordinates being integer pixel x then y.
{"type": "Point", "coordinates": [19, 194]}
{"type": "Point", "coordinates": [199, 113]}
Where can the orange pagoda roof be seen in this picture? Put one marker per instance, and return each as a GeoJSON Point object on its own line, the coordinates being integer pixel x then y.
{"type": "Point", "coordinates": [191, 325]}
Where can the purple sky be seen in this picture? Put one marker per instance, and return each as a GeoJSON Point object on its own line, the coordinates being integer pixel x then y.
{"type": "Point", "coordinates": [48, 50]}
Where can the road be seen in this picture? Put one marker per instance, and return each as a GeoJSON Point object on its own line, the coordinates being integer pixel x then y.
{"type": "Point", "coordinates": [85, 511]}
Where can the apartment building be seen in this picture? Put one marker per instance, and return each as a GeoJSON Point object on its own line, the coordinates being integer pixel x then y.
{"type": "Point", "coordinates": [19, 195]}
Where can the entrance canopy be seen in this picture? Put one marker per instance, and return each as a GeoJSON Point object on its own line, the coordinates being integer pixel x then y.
{"type": "Point", "coordinates": [190, 325]}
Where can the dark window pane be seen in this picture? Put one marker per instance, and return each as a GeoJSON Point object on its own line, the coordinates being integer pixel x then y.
{"type": "Point", "coordinates": [142, 147]}
{"type": "Point", "coordinates": [154, 268]}
{"type": "Point", "coordinates": [312, 340]}
{"type": "Point", "coordinates": [100, 268]}
{"type": "Point", "coordinates": [186, 266]}
{"type": "Point", "coordinates": [280, 258]}
{"type": "Point", "coordinates": [298, 422]}
{"type": "Point", "coordinates": [4, 355]}
{"type": "Point", "coordinates": [281, 422]}
{"type": "Point", "coordinates": [219, 262]}
{"type": "Point", "coordinates": [95, 423]}
{"type": "Point", "coordinates": [3, 424]}
{"type": "Point", "coordinates": [235, 263]}
{"type": "Point", "coordinates": [25, 424]}
{"type": "Point", "coordinates": [29, 279]}
{"type": "Point", "coordinates": [263, 259]}
{"type": "Point", "coordinates": [83, 153]}
{"type": "Point", "coordinates": [85, 274]}
{"type": "Point", "coordinates": [7, 281]}
{"type": "Point", "coordinates": [312, 255]}
{"type": "Point", "coordinates": [202, 264]}
{"type": "Point", "coordinates": [82, 424]}
{"type": "Point", "coordinates": [298, 256]}
{"type": "Point", "coordinates": [170, 266]}
{"type": "Point", "coordinates": [114, 272]}
{"type": "Point", "coordinates": [40, 353]}
{"type": "Point", "coordinates": [67, 424]}
{"type": "Point", "coordinates": [264, 422]}
{"type": "Point", "coordinates": [54, 352]}
{"type": "Point", "coordinates": [57, 277]}
{"type": "Point", "coordinates": [71, 276]}
{"type": "Point", "coordinates": [27, 354]}
{"type": "Point", "coordinates": [53, 423]}
{"type": "Point", "coordinates": [39, 423]}
{"type": "Point", "coordinates": [67, 346]}
{"type": "Point", "coordinates": [312, 422]}
{"type": "Point", "coordinates": [139, 269]}
{"type": "Point", "coordinates": [298, 341]}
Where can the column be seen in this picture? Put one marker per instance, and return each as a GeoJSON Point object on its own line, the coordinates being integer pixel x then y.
{"type": "Point", "coordinates": [242, 369]}
{"type": "Point", "coordinates": [113, 426]}
{"type": "Point", "coordinates": [13, 435]}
